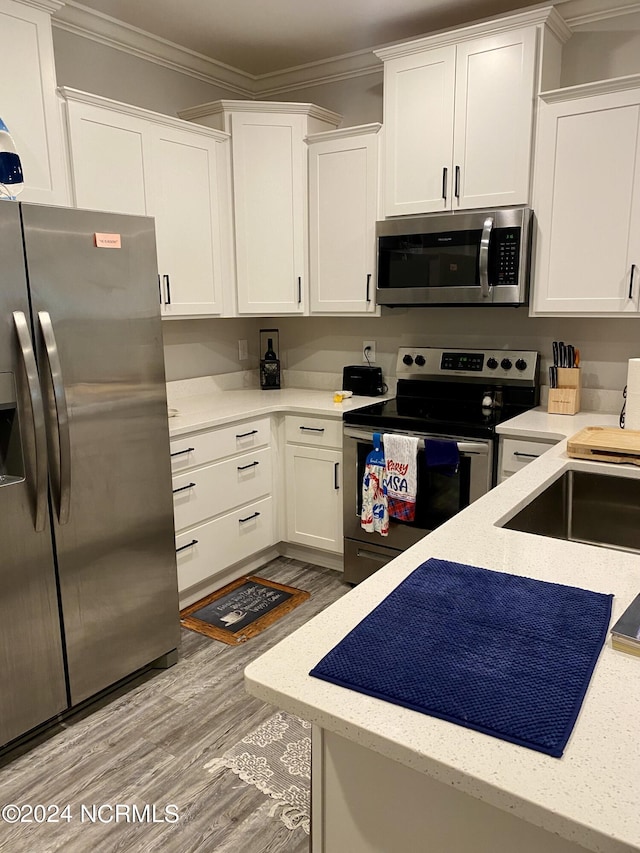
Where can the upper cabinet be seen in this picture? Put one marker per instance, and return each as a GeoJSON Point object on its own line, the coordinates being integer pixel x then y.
{"type": "Point", "coordinates": [343, 209]}
{"type": "Point", "coordinates": [587, 200]}
{"type": "Point", "coordinates": [459, 113]}
{"type": "Point", "coordinates": [128, 160]}
{"type": "Point", "coordinates": [29, 106]}
{"type": "Point", "coordinates": [269, 164]}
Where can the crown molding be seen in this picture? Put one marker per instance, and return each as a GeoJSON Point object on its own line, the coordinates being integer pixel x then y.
{"type": "Point", "coordinates": [224, 106]}
{"type": "Point", "coordinates": [357, 64]}
{"type": "Point", "coordinates": [69, 94]}
{"type": "Point", "coordinates": [102, 29]}
{"type": "Point", "coordinates": [50, 6]}
{"type": "Point", "coordinates": [342, 132]}
{"type": "Point", "coordinates": [578, 13]}
{"type": "Point", "coordinates": [599, 87]}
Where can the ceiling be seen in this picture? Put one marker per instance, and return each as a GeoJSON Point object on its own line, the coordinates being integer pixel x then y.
{"type": "Point", "coordinates": [261, 38]}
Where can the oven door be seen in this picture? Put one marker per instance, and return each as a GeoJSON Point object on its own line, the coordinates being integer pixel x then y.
{"type": "Point", "coordinates": [439, 496]}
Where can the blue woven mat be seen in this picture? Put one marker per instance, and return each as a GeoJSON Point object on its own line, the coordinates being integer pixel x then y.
{"type": "Point", "coordinates": [504, 655]}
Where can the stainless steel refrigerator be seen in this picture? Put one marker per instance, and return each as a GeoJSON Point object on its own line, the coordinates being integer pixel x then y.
{"type": "Point", "coordinates": [88, 590]}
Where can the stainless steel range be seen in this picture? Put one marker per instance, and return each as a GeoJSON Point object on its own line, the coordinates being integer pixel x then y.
{"type": "Point", "coordinates": [444, 394]}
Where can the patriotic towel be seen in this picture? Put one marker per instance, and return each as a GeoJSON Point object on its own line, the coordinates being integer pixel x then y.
{"type": "Point", "coordinates": [401, 475]}
{"type": "Point", "coordinates": [374, 517]}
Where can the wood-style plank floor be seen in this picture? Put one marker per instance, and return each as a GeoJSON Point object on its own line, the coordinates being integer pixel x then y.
{"type": "Point", "coordinates": [148, 742]}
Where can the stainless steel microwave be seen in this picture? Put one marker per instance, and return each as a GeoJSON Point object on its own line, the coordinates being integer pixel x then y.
{"type": "Point", "coordinates": [479, 257]}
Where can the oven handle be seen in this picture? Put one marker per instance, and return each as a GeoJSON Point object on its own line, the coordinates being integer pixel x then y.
{"type": "Point", "coordinates": [478, 447]}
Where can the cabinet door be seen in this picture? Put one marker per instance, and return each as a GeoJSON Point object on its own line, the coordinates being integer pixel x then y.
{"type": "Point", "coordinates": [587, 199]}
{"type": "Point", "coordinates": [418, 120]}
{"type": "Point", "coordinates": [314, 497]}
{"type": "Point", "coordinates": [342, 218]}
{"type": "Point", "coordinates": [495, 78]}
{"type": "Point", "coordinates": [185, 205]}
{"type": "Point", "coordinates": [29, 106]}
{"type": "Point", "coordinates": [110, 163]}
{"type": "Point", "coordinates": [269, 177]}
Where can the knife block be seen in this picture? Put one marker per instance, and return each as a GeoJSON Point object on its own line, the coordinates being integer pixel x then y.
{"type": "Point", "coordinates": [565, 399]}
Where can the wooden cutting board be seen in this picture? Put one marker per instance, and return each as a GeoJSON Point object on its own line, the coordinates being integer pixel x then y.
{"type": "Point", "coordinates": [607, 444]}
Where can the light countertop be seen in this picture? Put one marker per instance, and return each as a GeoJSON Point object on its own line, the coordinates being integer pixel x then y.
{"type": "Point", "coordinates": [538, 423]}
{"type": "Point", "coordinates": [590, 795]}
{"type": "Point", "coordinates": [205, 411]}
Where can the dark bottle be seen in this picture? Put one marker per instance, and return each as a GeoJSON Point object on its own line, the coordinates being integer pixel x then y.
{"type": "Point", "coordinates": [270, 354]}
{"type": "Point", "coordinates": [269, 368]}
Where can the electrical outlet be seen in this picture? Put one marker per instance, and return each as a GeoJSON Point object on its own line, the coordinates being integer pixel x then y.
{"type": "Point", "coordinates": [243, 351]}
{"type": "Point", "coordinates": [368, 351]}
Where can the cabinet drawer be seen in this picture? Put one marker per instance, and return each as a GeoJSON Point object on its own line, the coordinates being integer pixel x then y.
{"type": "Point", "coordinates": [218, 544]}
{"type": "Point", "coordinates": [203, 447]}
{"type": "Point", "coordinates": [517, 453]}
{"type": "Point", "coordinates": [322, 432]}
{"type": "Point", "coordinates": [213, 489]}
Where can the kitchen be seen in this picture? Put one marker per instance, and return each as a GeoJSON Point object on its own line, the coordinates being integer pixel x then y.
{"type": "Point", "coordinates": [315, 348]}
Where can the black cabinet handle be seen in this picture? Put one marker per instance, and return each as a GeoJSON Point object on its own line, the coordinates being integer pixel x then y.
{"type": "Point", "coordinates": [248, 518]}
{"type": "Point", "coordinates": [336, 484]}
{"type": "Point", "coordinates": [180, 452]}
{"type": "Point", "coordinates": [312, 429]}
{"type": "Point", "coordinates": [526, 455]}
{"type": "Point", "coordinates": [368, 287]}
{"type": "Point", "coordinates": [445, 172]}
{"type": "Point", "coordinates": [633, 269]}
{"type": "Point", "coordinates": [188, 545]}
{"type": "Point", "coordinates": [457, 189]}
{"type": "Point", "coordinates": [245, 434]}
{"type": "Point", "coordinates": [167, 287]}
{"type": "Point", "coordinates": [299, 290]}
{"type": "Point", "coordinates": [183, 488]}
{"type": "Point", "coordinates": [250, 465]}
{"type": "Point", "coordinates": [159, 289]}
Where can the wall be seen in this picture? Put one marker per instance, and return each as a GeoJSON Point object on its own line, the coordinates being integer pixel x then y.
{"type": "Point", "coordinates": [208, 347]}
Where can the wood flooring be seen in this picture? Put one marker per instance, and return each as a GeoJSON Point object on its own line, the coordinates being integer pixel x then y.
{"type": "Point", "coordinates": [147, 743]}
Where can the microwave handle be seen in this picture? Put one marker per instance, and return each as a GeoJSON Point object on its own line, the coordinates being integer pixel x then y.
{"type": "Point", "coordinates": [483, 260]}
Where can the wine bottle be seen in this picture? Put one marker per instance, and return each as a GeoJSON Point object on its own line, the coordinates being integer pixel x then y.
{"type": "Point", "coordinates": [270, 354]}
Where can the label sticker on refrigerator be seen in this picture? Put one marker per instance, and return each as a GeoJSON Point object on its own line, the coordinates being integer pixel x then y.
{"type": "Point", "coordinates": [107, 241]}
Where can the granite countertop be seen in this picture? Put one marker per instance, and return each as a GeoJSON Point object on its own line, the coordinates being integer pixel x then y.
{"type": "Point", "coordinates": [215, 408]}
{"type": "Point", "coordinates": [590, 795]}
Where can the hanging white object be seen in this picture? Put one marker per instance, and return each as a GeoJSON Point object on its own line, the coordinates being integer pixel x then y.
{"type": "Point", "coordinates": [11, 178]}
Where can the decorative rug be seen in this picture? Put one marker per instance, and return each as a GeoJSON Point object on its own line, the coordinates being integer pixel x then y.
{"type": "Point", "coordinates": [506, 655]}
{"type": "Point", "coordinates": [241, 609]}
{"type": "Point", "coordinates": [276, 759]}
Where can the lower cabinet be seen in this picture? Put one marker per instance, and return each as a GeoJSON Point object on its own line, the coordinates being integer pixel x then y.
{"type": "Point", "coordinates": [313, 464]}
{"type": "Point", "coordinates": [517, 453]}
{"type": "Point", "coordinates": [222, 498]}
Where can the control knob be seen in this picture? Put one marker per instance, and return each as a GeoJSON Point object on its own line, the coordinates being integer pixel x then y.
{"type": "Point", "coordinates": [521, 364]}
{"type": "Point", "coordinates": [492, 363]}
{"type": "Point", "coordinates": [407, 359]}
{"type": "Point", "coordinates": [505, 364]}
{"type": "Point", "coordinates": [421, 360]}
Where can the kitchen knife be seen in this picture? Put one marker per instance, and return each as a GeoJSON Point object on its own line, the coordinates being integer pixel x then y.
{"type": "Point", "coordinates": [554, 347]}
{"type": "Point", "coordinates": [572, 356]}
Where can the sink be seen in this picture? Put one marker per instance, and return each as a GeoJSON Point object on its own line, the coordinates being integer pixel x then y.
{"type": "Point", "coordinates": [580, 506]}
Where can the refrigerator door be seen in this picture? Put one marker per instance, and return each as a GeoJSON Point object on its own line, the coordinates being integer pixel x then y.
{"type": "Point", "coordinates": [32, 682]}
{"type": "Point", "coordinates": [96, 313]}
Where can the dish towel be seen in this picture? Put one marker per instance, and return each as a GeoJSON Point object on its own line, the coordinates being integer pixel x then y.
{"type": "Point", "coordinates": [442, 454]}
{"type": "Point", "coordinates": [374, 516]}
{"type": "Point", "coordinates": [505, 655]}
{"type": "Point", "coordinates": [401, 475]}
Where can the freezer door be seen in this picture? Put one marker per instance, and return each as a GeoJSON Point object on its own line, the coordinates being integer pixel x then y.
{"type": "Point", "coordinates": [32, 682]}
{"type": "Point", "coordinates": [94, 291]}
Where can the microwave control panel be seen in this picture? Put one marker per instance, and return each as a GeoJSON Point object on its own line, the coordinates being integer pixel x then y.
{"type": "Point", "coordinates": [507, 253]}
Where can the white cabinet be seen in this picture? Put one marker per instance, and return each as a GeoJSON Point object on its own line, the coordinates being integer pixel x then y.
{"type": "Point", "coordinates": [517, 453]}
{"type": "Point", "coordinates": [223, 504]}
{"type": "Point", "coordinates": [127, 160]}
{"type": "Point", "coordinates": [587, 201]}
{"type": "Point", "coordinates": [269, 162]}
{"type": "Point", "coordinates": [29, 105]}
{"type": "Point", "coordinates": [313, 467]}
{"type": "Point", "coordinates": [458, 114]}
{"type": "Point", "coordinates": [343, 208]}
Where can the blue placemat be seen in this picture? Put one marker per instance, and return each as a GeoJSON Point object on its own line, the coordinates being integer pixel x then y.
{"type": "Point", "coordinates": [505, 655]}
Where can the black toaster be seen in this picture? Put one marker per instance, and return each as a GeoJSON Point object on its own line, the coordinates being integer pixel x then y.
{"type": "Point", "coordinates": [363, 380]}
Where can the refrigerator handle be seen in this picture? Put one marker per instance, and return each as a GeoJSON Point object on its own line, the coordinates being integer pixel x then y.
{"type": "Point", "coordinates": [37, 410]}
{"type": "Point", "coordinates": [62, 414]}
